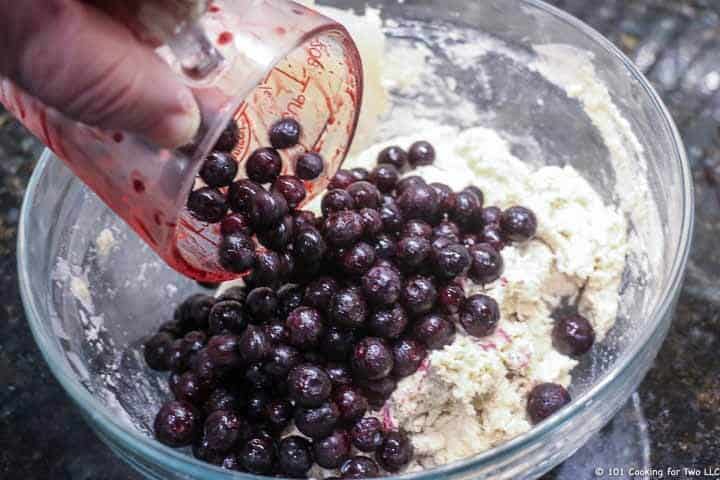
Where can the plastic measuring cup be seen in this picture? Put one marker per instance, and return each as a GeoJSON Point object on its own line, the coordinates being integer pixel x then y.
{"type": "Point", "coordinates": [247, 61]}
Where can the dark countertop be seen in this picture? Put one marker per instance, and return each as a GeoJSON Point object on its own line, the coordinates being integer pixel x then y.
{"type": "Point", "coordinates": [676, 42]}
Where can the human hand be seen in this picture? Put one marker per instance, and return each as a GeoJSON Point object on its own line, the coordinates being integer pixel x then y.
{"type": "Point", "coordinates": [90, 67]}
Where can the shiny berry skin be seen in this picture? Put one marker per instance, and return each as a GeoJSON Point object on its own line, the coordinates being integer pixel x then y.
{"type": "Point", "coordinates": [342, 179]}
{"type": "Point", "coordinates": [434, 330]}
{"type": "Point", "coordinates": [388, 323]}
{"type": "Point", "coordinates": [412, 252]}
{"type": "Point", "coordinates": [419, 201]}
{"type": "Point", "coordinates": [391, 217]}
{"type": "Point", "coordinates": [395, 156]}
{"type": "Point", "coordinates": [372, 359]}
{"type": "Point", "coordinates": [304, 219]}
{"type": "Point", "coordinates": [257, 455]}
{"type": "Point", "coordinates": [292, 188]}
{"type": "Point", "coordinates": [238, 293]}
{"type": "Point", "coordinates": [359, 467]}
{"type": "Point", "coordinates": [351, 402]}
{"type": "Point", "coordinates": [451, 261]}
{"type": "Point", "coordinates": [491, 216]}
{"type": "Point", "coordinates": [478, 193]}
{"type": "Point", "coordinates": [395, 452]}
{"type": "Point", "coordinates": [348, 308]}
{"type": "Point", "coordinates": [257, 402]}
{"type": "Point", "coordinates": [408, 354]}
{"type": "Point", "coordinates": [235, 224]}
{"type": "Point", "coordinates": [573, 335]}
{"type": "Point", "coordinates": [382, 285]}
{"type": "Point", "coordinates": [450, 299]}
{"type": "Point", "coordinates": [467, 209]}
{"type": "Point", "coordinates": [267, 209]}
{"type": "Point", "coordinates": [207, 205]}
{"type": "Point", "coordinates": [492, 235]}
{"type": "Point", "coordinates": [295, 456]}
{"type": "Point", "coordinates": [176, 356]}
{"type": "Point", "coordinates": [409, 181]}
{"type": "Point", "coordinates": [275, 331]}
{"type": "Point", "coordinates": [226, 316]}
{"type": "Point", "coordinates": [518, 224]}
{"type": "Point", "coordinates": [231, 461]}
{"type": "Point", "coordinates": [218, 170]}
{"type": "Point", "coordinates": [445, 197]}
{"type": "Point", "coordinates": [177, 423]}
{"type": "Point", "coordinates": [479, 315]}
{"type": "Point", "coordinates": [194, 341]}
{"type": "Point", "coordinates": [304, 327]}
{"type": "Point", "coordinates": [155, 351]}
{"type": "Point", "coordinates": [263, 165]}
{"type": "Point", "coordinates": [360, 174]}
{"type": "Point", "coordinates": [336, 201]}
{"type": "Point", "coordinates": [254, 345]}
{"type": "Point", "coordinates": [372, 222]}
{"type": "Point", "coordinates": [221, 430]}
{"type": "Point", "coordinates": [279, 236]}
{"type": "Point", "coordinates": [221, 399]}
{"type": "Point", "coordinates": [281, 360]}
{"type": "Point", "coordinates": [338, 343]}
{"type": "Point", "coordinates": [319, 293]}
{"type": "Point", "coordinates": [204, 369]}
{"type": "Point", "coordinates": [317, 422]}
{"type": "Point", "coordinates": [228, 138]}
{"type": "Point", "coordinates": [367, 434]}
{"type": "Point", "coordinates": [308, 385]}
{"type": "Point", "coordinates": [241, 195]}
{"type": "Point", "coordinates": [261, 304]}
{"type": "Point", "coordinates": [237, 253]}
{"type": "Point", "coordinates": [256, 377]}
{"type": "Point", "coordinates": [447, 229]}
{"type": "Point", "coordinates": [365, 194]}
{"type": "Point", "coordinates": [421, 153]}
{"type": "Point", "coordinates": [290, 297]}
{"type": "Point", "coordinates": [309, 166]}
{"type": "Point", "coordinates": [545, 399]}
{"type": "Point", "coordinates": [285, 133]}
{"type": "Point", "coordinates": [358, 259]}
{"type": "Point", "coordinates": [333, 450]}
{"type": "Point", "coordinates": [309, 245]}
{"type": "Point", "coordinates": [339, 373]}
{"type": "Point", "coordinates": [487, 264]}
{"type": "Point", "coordinates": [470, 240]}
{"type": "Point", "coordinates": [223, 351]}
{"type": "Point", "coordinates": [417, 228]}
{"type": "Point", "coordinates": [172, 328]}
{"type": "Point", "coordinates": [385, 246]}
{"type": "Point", "coordinates": [201, 450]}
{"type": "Point", "coordinates": [267, 271]}
{"type": "Point", "coordinates": [377, 391]}
{"type": "Point", "coordinates": [418, 295]}
{"type": "Point", "coordinates": [278, 414]}
{"type": "Point", "coordinates": [342, 229]}
{"type": "Point", "coordinates": [385, 177]}
{"type": "Point", "coordinates": [189, 388]}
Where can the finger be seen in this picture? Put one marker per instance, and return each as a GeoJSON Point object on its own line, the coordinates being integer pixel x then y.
{"type": "Point", "coordinates": [88, 66]}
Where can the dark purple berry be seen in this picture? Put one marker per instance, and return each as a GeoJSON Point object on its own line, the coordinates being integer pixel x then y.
{"type": "Point", "coordinates": [417, 228]}
{"type": "Point", "coordinates": [177, 423]}
{"type": "Point", "coordinates": [231, 461]}
{"type": "Point", "coordinates": [360, 174]}
{"type": "Point", "coordinates": [445, 197]}
{"type": "Point", "coordinates": [451, 261]}
{"type": "Point", "coordinates": [418, 295]}
{"type": "Point", "coordinates": [491, 216]}
{"type": "Point", "coordinates": [278, 236]}
{"type": "Point", "coordinates": [479, 315]}
{"type": "Point", "coordinates": [342, 179]}
{"type": "Point", "coordinates": [267, 271]}
{"type": "Point", "coordinates": [292, 188]}
{"type": "Point", "coordinates": [256, 377]}
{"type": "Point", "coordinates": [254, 345]}
{"type": "Point", "coordinates": [320, 292]}
{"type": "Point", "coordinates": [377, 391]}
{"type": "Point", "coordinates": [309, 166]}
{"type": "Point", "coordinates": [267, 209]}
{"type": "Point", "coordinates": [392, 217]}
{"type": "Point", "coordinates": [194, 341]}
{"type": "Point", "coordinates": [447, 229]}
{"type": "Point", "coordinates": [221, 430]}
{"type": "Point", "coordinates": [290, 296]}
{"type": "Point", "coordinates": [235, 224]}
{"type": "Point", "coordinates": [351, 402]}
{"type": "Point", "coordinates": [394, 156]}
{"type": "Point", "coordinates": [395, 452]}
{"type": "Point", "coordinates": [202, 450]}
{"type": "Point", "coordinates": [257, 455]}
{"type": "Point", "coordinates": [372, 359]}
{"type": "Point", "coordinates": [412, 252]}
{"type": "Point", "coordinates": [261, 304]}
{"type": "Point", "coordinates": [348, 308]}
{"type": "Point", "coordinates": [450, 299]}
{"type": "Point", "coordinates": [218, 170]}
{"type": "Point", "coordinates": [385, 177]}
{"type": "Point", "coordinates": [408, 355]}
{"type": "Point", "coordinates": [478, 193]}
{"type": "Point", "coordinates": [189, 388]}
{"type": "Point", "coordinates": [237, 253]}
{"type": "Point", "coordinates": [172, 328]}
{"type": "Point", "coordinates": [309, 245]}
{"type": "Point", "coordinates": [338, 343]}
{"type": "Point", "coordinates": [238, 293]}
{"type": "Point", "coordinates": [518, 224]}
{"type": "Point", "coordinates": [275, 331]}
{"type": "Point", "coordinates": [360, 467]}
{"type": "Point", "coordinates": [317, 422]}
{"type": "Point", "coordinates": [409, 181]}
{"type": "Point", "coordinates": [204, 368]}
{"type": "Point", "coordinates": [421, 153]}
{"type": "Point", "coordinates": [372, 222]}
{"type": "Point", "coordinates": [295, 456]}
{"type": "Point", "coordinates": [385, 247]}
{"type": "Point", "coordinates": [308, 385]}
{"type": "Point", "coordinates": [207, 205]}
{"type": "Point", "coordinates": [241, 195]}
{"type": "Point", "coordinates": [221, 399]}
{"type": "Point", "coordinates": [263, 165]}
{"type": "Point", "coordinates": [358, 259]}
{"type": "Point", "coordinates": [545, 399]}
{"type": "Point", "coordinates": [339, 373]}
{"type": "Point", "coordinates": [304, 219]}
{"type": "Point", "coordinates": [155, 351]}
{"type": "Point", "coordinates": [573, 335]}
{"type": "Point", "coordinates": [285, 133]}
{"type": "Point", "coordinates": [492, 235]}
{"type": "Point", "coordinates": [487, 264]}
{"type": "Point", "coordinates": [343, 229]}
{"type": "Point", "coordinates": [278, 414]}
{"type": "Point", "coordinates": [365, 194]}
{"type": "Point", "coordinates": [434, 331]}
{"type": "Point", "coordinates": [281, 360]}
{"type": "Point", "coordinates": [467, 209]}
{"type": "Point", "coordinates": [223, 351]}
{"type": "Point", "coordinates": [257, 402]}
{"type": "Point", "coordinates": [382, 285]}
{"type": "Point", "coordinates": [368, 434]}
{"type": "Point", "coordinates": [304, 327]}
{"type": "Point", "coordinates": [226, 316]}
{"type": "Point", "coordinates": [336, 200]}
{"type": "Point", "coordinates": [470, 240]}
{"type": "Point", "coordinates": [419, 201]}
{"type": "Point", "coordinates": [228, 138]}
{"type": "Point", "coordinates": [388, 323]}
{"type": "Point", "coordinates": [333, 450]}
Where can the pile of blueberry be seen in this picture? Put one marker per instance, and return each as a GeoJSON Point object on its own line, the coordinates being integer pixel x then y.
{"type": "Point", "coordinates": [335, 310]}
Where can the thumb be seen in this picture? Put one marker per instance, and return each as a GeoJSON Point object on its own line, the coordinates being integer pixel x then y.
{"type": "Point", "coordinates": [80, 61]}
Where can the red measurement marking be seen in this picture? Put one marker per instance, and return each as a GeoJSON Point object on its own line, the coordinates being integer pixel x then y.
{"type": "Point", "coordinates": [280, 30]}
{"type": "Point", "coordinates": [214, 8]}
{"type": "Point", "coordinates": [138, 186]}
{"type": "Point", "coordinates": [304, 82]}
{"type": "Point", "coordinates": [118, 137]}
{"type": "Point", "coordinates": [224, 38]}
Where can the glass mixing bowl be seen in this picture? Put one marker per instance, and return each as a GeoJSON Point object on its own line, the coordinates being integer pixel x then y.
{"type": "Point", "coordinates": [92, 289]}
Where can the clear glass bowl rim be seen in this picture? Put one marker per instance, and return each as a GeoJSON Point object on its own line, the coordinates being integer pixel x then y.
{"type": "Point", "coordinates": [174, 460]}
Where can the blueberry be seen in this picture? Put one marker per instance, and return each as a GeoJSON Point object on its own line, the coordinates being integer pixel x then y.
{"type": "Point", "coordinates": [388, 323]}
{"type": "Point", "coordinates": [418, 295]}
{"type": "Point", "coordinates": [372, 222]}
{"type": "Point", "coordinates": [372, 359]}
{"type": "Point", "coordinates": [285, 133]}
{"type": "Point", "coordinates": [491, 216]}
{"type": "Point", "coordinates": [256, 407]}
{"type": "Point", "coordinates": [218, 170]}
{"type": "Point", "coordinates": [348, 308]}
{"type": "Point", "coordinates": [450, 299]}
{"type": "Point", "coordinates": [207, 204]}
{"type": "Point", "coordinates": [231, 461]}
{"type": "Point", "coordinates": [277, 237]}
{"type": "Point", "coordinates": [309, 245]}
{"type": "Point", "coordinates": [421, 153]}
{"type": "Point", "coordinates": [305, 328]}
{"type": "Point", "coordinates": [365, 194]}
{"type": "Point", "coordinates": [320, 292]}
{"type": "Point", "coordinates": [267, 271]}
{"type": "Point", "coordinates": [254, 345]}
{"type": "Point", "coordinates": [308, 385]}
{"type": "Point", "coordinates": [309, 166]}
{"type": "Point", "coordinates": [281, 360]}
{"type": "Point", "coordinates": [292, 188]}
{"type": "Point", "coordinates": [470, 240]}
{"type": "Point", "coordinates": [226, 316]}
{"type": "Point", "coordinates": [412, 252]}
{"type": "Point", "coordinates": [303, 219]}
{"type": "Point", "coordinates": [338, 343]}
{"type": "Point", "coordinates": [295, 456]}
{"type": "Point", "coordinates": [237, 253]}
{"type": "Point", "coordinates": [434, 330]}
{"type": "Point", "coordinates": [479, 315]}
{"type": "Point", "coordinates": [278, 414]}
{"type": "Point", "coordinates": [367, 434]}
{"type": "Point", "coordinates": [189, 388]}
{"type": "Point", "coordinates": [451, 261]}
{"type": "Point", "coordinates": [204, 368]}
{"type": "Point", "coordinates": [382, 285]}
{"type": "Point", "coordinates": [385, 177]}
{"type": "Point", "coordinates": [358, 259]}
{"type": "Point", "coordinates": [261, 304]}
{"type": "Point", "coordinates": [447, 229]}
{"type": "Point", "coordinates": [417, 228]}
{"type": "Point", "coordinates": [395, 156]}
{"type": "Point", "coordinates": [385, 246]}
{"type": "Point", "coordinates": [467, 211]}
{"type": "Point", "coordinates": [342, 179]}
{"type": "Point", "coordinates": [290, 296]}
{"type": "Point", "coordinates": [478, 193]}
{"type": "Point", "coordinates": [228, 138]}
{"type": "Point", "coordinates": [235, 224]}
{"type": "Point", "coordinates": [487, 264]}
{"type": "Point", "coordinates": [545, 399]}
{"type": "Point", "coordinates": [333, 450]}
{"type": "Point", "coordinates": [155, 351]}
{"type": "Point", "coordinates": [351, 403]}
{"type": "Point", "coordinates": [257, 455]}
{"type": "Point", "coordinates": [418, 202]}
{"type": "Point", "coordinates": [359, 467]}
{"type": "Point", "coordinates": [275, 331]}
{"type": "Point", "coordinates": [238, 293]}
{"type": "Point", "coordinates": [492, 235]}
{"type": "Point", "coordinates": [408, 354]}
{"type": "Point", "coordinates": [222, 399]}
{"type": "Point", "coordinates": [336, 200]}
{"type": "Point", "coordinates": [518, 224]}
{"type": "Point", "coordinates": [317, 422]}
{"type": "Point", "coordinates": [176, 356]}
{"type": "Point", "coordinates": [241, 195]}
{"type": "Point", "coordinates": [342, 229]}
{"type": "Point", "coordinates": [395, 452]}
{"type": "Point", "coordinates": [360, 174]}
{"type": "Point", "coordinates": [201, 450]}
{"type": "Point", "coordinates": [267, 209]}
{"type": "Point", "coordinates": [573, 335]}
{"type": "Point", "coordinates": [221, 430]}
{"type": "Point", "coordinates": [409, 181]}
{"type": "Point", "coordinates": [223, 350]}
{"type": "Point", "coordinates": [263, 165]}
{"type": "Point", "coordinates": [391, 217]}
{"type": "Point", "coordinates": [177, 423]}
{"type": "Point", "coordinates": [377, 391]}
{"type": "Point", "coordinates": [445, 197]}
{"type": "Point", "coordinates": [339, 374]}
